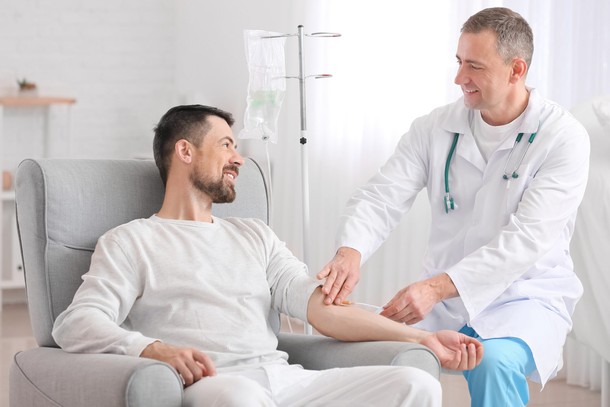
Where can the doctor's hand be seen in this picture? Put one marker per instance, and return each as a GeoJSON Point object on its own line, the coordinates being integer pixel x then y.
{"type": "Point", "coordinates": [454, 350]}
{"type": "Point", "coordinates": [191, 364]}
{"type": "Point", "coordinates": [411, 304]}
{"type": "Point", "coordinates": [342, 274]}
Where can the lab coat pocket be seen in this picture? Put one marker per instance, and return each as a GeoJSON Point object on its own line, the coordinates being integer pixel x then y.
{"type": "Point", "coordinates": [515, 187]}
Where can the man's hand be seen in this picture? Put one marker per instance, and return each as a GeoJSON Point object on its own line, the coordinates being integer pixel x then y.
{"type": "Point", "coordinates": [411, 304]}
{"type": "Point", "coordinates": [342, 274]}
{"type": "Point", "coordinates": [191, 364]}
{"type": "Point", "coordinates": [455, 351]}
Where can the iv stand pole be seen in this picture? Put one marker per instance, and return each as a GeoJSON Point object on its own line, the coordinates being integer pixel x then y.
{"type": "Point", "coordinates": [304, 162]}
{"type": "Point", "coordinates": [303, 140]}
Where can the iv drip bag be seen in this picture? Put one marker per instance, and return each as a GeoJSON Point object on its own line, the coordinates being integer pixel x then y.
{"type": "Point", "coordinates": [267, 85]}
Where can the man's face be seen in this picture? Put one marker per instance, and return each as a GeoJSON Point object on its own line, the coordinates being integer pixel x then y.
{"type": "Point", "coordinates": [482, 73]}
{"type": "Point", "coordinates": [216, 163]}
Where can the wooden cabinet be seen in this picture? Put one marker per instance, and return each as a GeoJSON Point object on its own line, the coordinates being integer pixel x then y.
{"type": "Point", "coordinates": [11, 268]}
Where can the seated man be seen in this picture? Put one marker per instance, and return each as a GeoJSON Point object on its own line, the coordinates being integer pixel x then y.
{"type": "Point", "coordinates": [195, 291]}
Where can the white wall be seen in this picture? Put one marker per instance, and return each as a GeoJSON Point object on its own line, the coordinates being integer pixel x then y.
{"type": "Point", "coordinates": [127, 62]}
{"type": "Point", "coordinates": [212, 69]}
{"type": "Point", "coordinates": [210, 64]}
{"type": "Point", "coordinates": [117, 58]}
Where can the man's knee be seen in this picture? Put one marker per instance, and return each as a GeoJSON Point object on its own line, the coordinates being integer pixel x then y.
{"type": "Point", "coordinates": [507, 355]}
{"type": "Point", "coordinates": [494, 362]}
{"type": "Point", "coordinates": [417, 378]}
{"type": "Point", "coordinates": [501, 378]}
{"type": "Point", "coordinates": [233, 391]}
{"type": "Point", "coordinates": [416, 385]}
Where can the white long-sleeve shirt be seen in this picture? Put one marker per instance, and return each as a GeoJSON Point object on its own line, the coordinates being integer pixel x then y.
{"type": "Point", "coordinates": [211, 286]}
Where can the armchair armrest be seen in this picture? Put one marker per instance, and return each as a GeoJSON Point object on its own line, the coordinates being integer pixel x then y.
{"type": "Point", "coordinates": [318, 352]}
{"type": "Point", "coordinates": [53, 377]}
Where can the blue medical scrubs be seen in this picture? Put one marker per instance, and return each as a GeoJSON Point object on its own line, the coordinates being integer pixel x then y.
{"type": "Point", "coordinates": [501, 378]}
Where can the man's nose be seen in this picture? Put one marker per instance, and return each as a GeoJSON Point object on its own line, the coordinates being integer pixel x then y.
{"type": "Point", "coordinates": [460, 78]}
{"type": "Point", "coordinates": [237, 159]}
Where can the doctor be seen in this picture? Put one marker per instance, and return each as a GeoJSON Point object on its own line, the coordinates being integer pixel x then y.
{"type": "Point", "coordinates": [505, 171]}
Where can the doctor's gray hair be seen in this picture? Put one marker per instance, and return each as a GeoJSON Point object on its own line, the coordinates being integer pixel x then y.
{"type": "Point", "coordinates": [514, 35]}
{"type": "Point", "coordinates": [189, 122]}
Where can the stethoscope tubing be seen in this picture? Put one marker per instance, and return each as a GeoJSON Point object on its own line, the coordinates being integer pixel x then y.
{"type": "Point", "coordinates": [448, 199]}
{"type": "Point", "coordinates": [449, 203]}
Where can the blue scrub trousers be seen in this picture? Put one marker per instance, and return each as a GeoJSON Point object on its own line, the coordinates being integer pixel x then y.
{"type": "Point", "coordinates": [501, 378]}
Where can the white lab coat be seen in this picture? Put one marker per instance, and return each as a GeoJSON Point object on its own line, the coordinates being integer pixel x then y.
{"type": "Point", "coordinates": [506, 246]}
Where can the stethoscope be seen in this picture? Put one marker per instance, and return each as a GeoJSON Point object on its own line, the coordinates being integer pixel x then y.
{"type": "Point", "coordinates": [449, 202]}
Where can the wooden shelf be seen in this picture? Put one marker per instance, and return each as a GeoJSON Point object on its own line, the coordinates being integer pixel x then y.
{"type": "Point", "coordinates": [8, 195]}
{"type": "Point", "coordinates": [27, 100]}
{"type": "Point", "coordinates": [10, 257]}
{"type": "Point", "coordinates": [12, 284]}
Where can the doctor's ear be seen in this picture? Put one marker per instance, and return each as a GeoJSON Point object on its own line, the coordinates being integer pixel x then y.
{"type": "Point", "coordinates": [519, 69]}
{"type": "Point", "coordinates": [184, 151]}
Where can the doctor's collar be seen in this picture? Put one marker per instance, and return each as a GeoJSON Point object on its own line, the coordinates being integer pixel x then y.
{"type": "Point", "coordinates": [459, 117]}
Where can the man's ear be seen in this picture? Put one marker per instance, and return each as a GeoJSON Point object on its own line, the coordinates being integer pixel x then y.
{"type": "Point", "coordinates": [519, 69]}
{"type": "Point", "coordinates": [184, 151]}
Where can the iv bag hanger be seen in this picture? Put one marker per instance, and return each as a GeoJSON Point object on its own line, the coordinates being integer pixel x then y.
{"type": "Point", "coordinates": [303, 140]}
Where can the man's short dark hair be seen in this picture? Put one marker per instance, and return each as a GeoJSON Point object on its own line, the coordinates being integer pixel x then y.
{"type": "Point", "coordinates": [189, 122]}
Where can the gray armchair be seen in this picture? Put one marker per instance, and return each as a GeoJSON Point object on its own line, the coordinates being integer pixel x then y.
{"type": "Point", "coordinates": [63, 206]}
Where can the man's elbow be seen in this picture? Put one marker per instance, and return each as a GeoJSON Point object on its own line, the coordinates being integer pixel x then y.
{"type": "Point", "coordinates": [320, 315]}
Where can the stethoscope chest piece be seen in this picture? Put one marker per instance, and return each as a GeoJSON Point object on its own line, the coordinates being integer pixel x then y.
{"type": "Point", "coordinates": [449, 203]}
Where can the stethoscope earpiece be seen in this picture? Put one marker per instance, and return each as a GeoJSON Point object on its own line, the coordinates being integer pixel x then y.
{"type": "Point", "coordinates": [517, 140]}
{"type": "Point", "coordinates": [513, 175]}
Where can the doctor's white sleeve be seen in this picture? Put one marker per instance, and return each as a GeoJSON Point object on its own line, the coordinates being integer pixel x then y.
{"type": "Point", "coordinates": [376, 208]}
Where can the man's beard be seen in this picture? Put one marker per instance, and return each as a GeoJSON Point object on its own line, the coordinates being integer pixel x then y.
{"type": "Point", "coordinates": [218, 191]}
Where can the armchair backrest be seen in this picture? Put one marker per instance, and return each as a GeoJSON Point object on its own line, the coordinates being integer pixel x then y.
{"type": "Point", "coordinates": [64, 206]}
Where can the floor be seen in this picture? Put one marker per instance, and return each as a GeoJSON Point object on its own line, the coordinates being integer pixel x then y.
{"type": "Point", "coordinates": [16, 335]}
{"type": "Point", "coordinates": [555, 394]}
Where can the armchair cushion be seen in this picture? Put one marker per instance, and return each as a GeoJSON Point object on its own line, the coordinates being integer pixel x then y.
{"type": "Point", "coordinates": [319, 352]}
{"type": "Point", "coordinates": [52, 377]}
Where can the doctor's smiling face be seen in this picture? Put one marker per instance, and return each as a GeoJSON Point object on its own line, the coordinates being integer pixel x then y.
{"type": "Point", "coordinates": [487, 81]}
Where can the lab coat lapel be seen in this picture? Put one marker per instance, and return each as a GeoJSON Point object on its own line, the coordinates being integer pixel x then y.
{"type": "Point", "coordinates": [469, 151]}
{"type": "Point", "coordinates": [531, 121]}
{"type": "Point", "coordinates": [533, 113]}
{"type": "Point", "coordinates": [458, 121]}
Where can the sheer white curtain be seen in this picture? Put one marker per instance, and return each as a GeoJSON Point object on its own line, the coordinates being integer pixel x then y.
{"type": "Point", "coordinates": [395, 62]}
{"type": "Point", "coordinates": [382, 81]}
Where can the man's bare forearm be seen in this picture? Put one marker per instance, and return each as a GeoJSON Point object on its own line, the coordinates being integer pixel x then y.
{"type": "Point", "coordinates": [348, 323]}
